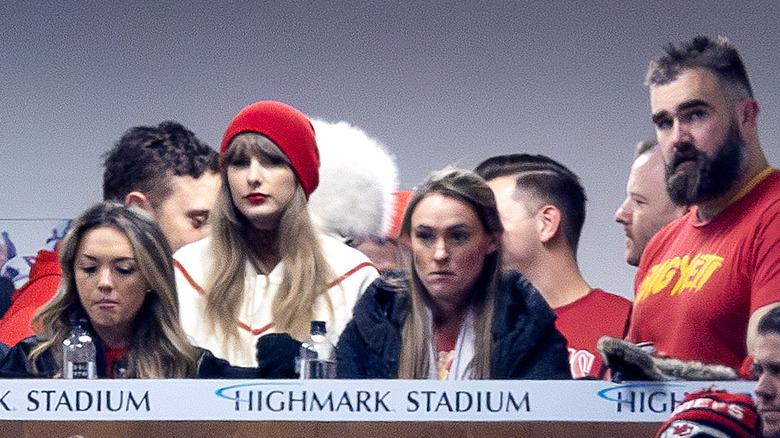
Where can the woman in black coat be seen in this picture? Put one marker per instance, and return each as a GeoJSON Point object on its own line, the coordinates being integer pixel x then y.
{"type": "Point", "coordinates": [455, 315]}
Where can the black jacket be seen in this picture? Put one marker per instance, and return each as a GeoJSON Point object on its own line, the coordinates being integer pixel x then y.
{"type": "Point", "coordinates": [14, 365]}
{"type": "Point", "coordinates": [527, 344]}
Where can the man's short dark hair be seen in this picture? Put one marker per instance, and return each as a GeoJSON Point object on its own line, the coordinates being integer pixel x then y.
{"type": "Point", "coordinates": [145, 156]}
{"type": "Point", "coordinates": [715, 54]}
{"type": "Point", "coordinates": [769, 323]}
{"type": "Point", "coordinates": [549, 181]}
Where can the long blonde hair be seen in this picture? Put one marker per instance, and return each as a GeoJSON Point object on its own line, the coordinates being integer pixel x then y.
{"type": "Point", "coordinates": [159, 348]}
{"type": "Point", "coordinates": [306, 272]}
{"type": "Point", "coordinates": [414, 361]}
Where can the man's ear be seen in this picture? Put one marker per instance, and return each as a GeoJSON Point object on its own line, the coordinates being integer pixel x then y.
{"type": "Point", "coordinates": [548, 222]}
{"type": "Point", "coordinates": [139, 200]}
{"type": "Point", "coordinates": [495, 242]}
{"type": "Point", "coordinates": [747, 113]}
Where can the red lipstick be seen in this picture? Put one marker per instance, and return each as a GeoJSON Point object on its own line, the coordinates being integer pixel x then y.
{"type": "Point", "coordinates": [256, 198]}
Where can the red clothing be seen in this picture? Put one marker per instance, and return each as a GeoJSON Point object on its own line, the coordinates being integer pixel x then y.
{"type": "Point", "coordinates": [699, 282]}
{"type": "Point", "coordinates": [39, 289]}
{"type": "Point", "coordinates": [115, 358]}
{"type": "Point", "coordinates": [584, 321]}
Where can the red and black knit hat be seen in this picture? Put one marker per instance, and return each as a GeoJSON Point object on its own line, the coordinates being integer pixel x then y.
{"type": "Point", "coordinates": [713, 413]}
{"type": "Point", "coordinates": [289, 128]}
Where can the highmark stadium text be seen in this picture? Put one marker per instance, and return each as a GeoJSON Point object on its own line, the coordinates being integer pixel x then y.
{"type": "Point", "coordinates": [303, 400]}
{"type": "Point", "coordinates": [50, 400]}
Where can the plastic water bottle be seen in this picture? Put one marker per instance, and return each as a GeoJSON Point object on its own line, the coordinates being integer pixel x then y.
{"type": "Point", "coordinates": [78, 353]}
{"type": "Point", "coordinates": [318, 356]}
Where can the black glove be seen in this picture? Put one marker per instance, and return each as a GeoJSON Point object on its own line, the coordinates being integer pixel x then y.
{"type": "Point", "coordinates": [276, 353]}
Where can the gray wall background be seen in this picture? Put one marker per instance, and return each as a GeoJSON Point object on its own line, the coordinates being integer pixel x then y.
{"type": "Point", "coordinates": [437, 83]}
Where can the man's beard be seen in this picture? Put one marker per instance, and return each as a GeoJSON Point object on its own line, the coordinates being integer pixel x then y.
{"type": "Point", "coordinates": [711, 177]}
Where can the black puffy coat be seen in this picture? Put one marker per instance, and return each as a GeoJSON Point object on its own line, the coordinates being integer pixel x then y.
{"type": "Point", "coordinates": [527, 344]}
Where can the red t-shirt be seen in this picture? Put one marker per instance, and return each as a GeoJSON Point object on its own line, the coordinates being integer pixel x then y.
{"type": "Point", "coordinates": [39, 289]}
{"type": "Point", "coordinates": [699, 282]}
{"type": "Point", "coordinates": [584, 321]}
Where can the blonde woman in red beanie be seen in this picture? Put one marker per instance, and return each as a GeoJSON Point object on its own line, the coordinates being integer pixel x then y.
{"type": "Point", "coordinates": [266, 268]}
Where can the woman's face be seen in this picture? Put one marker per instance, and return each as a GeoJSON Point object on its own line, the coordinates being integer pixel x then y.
{"type": "Point", "coordinates": [261, 187]}
{"type": "Point", "coordinates": [109, 283]}
{"type": "Point", "coordinates": [449, 246]}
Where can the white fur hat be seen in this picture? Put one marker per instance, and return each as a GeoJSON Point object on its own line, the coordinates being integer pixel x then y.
{"type": "Point", "coordinates": [354, 199]}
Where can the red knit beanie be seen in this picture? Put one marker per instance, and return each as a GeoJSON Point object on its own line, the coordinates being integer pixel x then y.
{"type": "Point", "coordinates": [289, 129]}
{"type": "Point", "coordinates": [713, 413]}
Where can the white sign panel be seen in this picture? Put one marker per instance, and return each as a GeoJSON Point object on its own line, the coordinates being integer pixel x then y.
{"type": "Point", "coordinates": [343, 400]}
